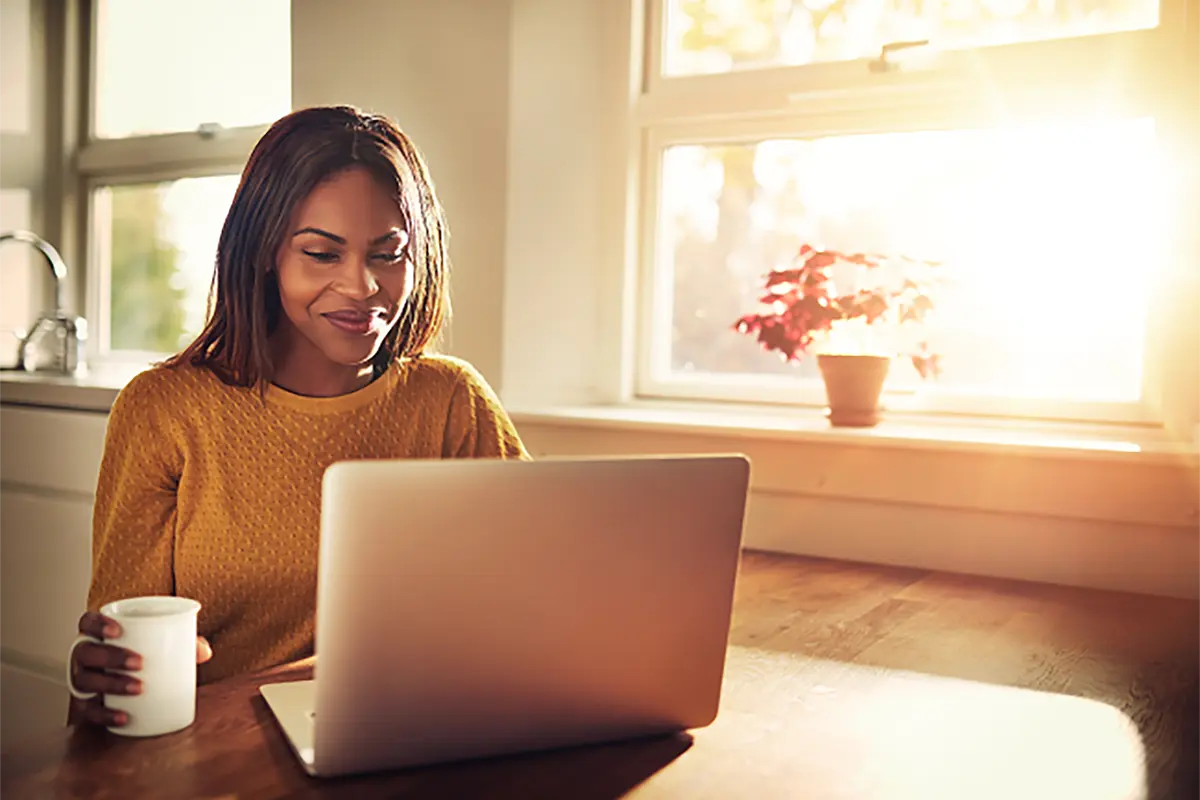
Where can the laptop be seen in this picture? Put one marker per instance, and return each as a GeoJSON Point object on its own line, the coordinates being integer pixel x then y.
{"type": "Point", "coordinates": [475, 608]}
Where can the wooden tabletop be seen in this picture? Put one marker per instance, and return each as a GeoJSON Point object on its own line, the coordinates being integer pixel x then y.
{"type": "Point", "coordinates": [843, 681]}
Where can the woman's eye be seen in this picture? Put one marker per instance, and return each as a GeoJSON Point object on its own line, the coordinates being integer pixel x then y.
{"type": "Point", "coordinates": [323, 257]}
{"type": "Point", "coordinates": [388, 258]}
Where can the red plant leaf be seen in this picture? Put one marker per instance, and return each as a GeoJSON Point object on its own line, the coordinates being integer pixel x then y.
{"type": "Point", "coordinates": [862, 259]}
{"type": "Point", "coordinates": [821, 258]}
{"type": "Point", "coordinates": [798, 303]}
{"type": "Point", "coordinates": [927, 365]}
{"type": "Point", "coordinates": [873, 305]}
{"type": "Point", "coordinates": [916, 310]}
{"type": "Point", "coordinates": [778, 277]}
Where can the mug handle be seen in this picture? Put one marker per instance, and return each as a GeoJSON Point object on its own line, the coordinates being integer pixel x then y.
{"type": "Point", "coordinates": [70, 658]}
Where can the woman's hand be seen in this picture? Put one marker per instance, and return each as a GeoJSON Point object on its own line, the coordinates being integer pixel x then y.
{"type": "Point", "coordinates": [90, 665]}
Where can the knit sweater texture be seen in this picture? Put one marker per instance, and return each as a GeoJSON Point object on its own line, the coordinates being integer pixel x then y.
{"type": "Point", "coordinates": [212, 491]}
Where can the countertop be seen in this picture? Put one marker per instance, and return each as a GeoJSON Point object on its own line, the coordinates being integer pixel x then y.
{"type": "Point", "coordinates": [94, 389]}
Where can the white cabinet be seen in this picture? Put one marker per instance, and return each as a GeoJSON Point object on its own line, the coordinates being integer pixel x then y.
{"type": "Point", "coordinates": [49, 460]}
{"type": "Point", "coordinates": [51, 449]}
{"type": "Point", "coordinates": [45, 566]}
{"type": "Point", "coordinates": [32, 704]}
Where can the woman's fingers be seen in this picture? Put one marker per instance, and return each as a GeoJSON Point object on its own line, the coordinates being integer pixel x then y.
{"type": "Point", "coordinates": [90, 662]}
{"type": "Point", "coordinates": [203, 650]}
{"type": "Point", "coordinates": [99, 682]}
{"type": "Point", "coordinates": [91, 655]}
{"type": "Point", "coordinates": [99, 626]}
{"type": "Point", "coordinates": [93, 712]}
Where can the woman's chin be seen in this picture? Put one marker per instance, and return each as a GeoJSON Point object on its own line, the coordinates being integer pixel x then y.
{"type": "Point", "coordinates": [352, 357]}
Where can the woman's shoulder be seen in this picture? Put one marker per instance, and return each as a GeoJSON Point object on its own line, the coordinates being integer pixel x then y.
{"type": "Point", "coordinates": [166, 385]}
{"type": "Point", "coordinates": [443, 373]}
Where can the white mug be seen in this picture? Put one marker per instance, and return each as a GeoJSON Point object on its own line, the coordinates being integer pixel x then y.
{"type": "Point", "coordinates": [162, 630]}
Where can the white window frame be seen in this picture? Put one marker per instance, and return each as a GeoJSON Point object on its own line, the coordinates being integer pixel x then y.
{"type": "Point", "coordinates": [101, 162]}
{"type": "Point", "coordinates": [846, 97]}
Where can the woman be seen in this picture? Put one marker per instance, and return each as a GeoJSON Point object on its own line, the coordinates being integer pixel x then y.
{"type": "Point", "coordinates": [330, 285]}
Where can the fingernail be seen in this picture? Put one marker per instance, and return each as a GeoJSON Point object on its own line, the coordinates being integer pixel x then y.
{"type": "Point", "coordinates": [133, 662]}
{"type": "Point", "coordinates": [120, 718]}
{"type": "Point", "coordinates": [133, 687]}
{"type": "Point", "coordinates": [112, 630]}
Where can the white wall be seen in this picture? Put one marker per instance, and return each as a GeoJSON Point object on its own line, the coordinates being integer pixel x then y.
{"type": "Point", "coordinates": [567, 172]}
{"type": "Point", "coordinates": [517, 108]}
{"type": "Point", "coordinates": [441, 69]}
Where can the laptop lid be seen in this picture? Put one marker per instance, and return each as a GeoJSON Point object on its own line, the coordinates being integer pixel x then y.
{"type": "Point", "coordinates": [479, 607]}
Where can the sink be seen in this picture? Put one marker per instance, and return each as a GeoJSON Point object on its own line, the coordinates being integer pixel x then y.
{"type": "Point", "coordinates": [56, 341]}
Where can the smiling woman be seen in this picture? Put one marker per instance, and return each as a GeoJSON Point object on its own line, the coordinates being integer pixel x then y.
{"type": "Point", "coordinates": [330, 287]}
{"type": "Point", "coordinates": [329, 214]}
{"type": "Point", "coordinates": [342, 292]}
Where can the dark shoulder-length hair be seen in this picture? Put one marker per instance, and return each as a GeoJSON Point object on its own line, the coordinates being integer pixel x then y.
{"type": "Point", "coordinates": [297, 153]}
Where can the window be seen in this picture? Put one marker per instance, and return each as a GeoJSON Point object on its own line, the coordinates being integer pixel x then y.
{"type": "Point", "coordinates": [158, 242]}
{"type": "Point", "coordinates": [201, 75]}
{"type": "Point", "coordinates": [159, 176]}
{"type": "Point", "coordinates": [16, 65]}
{"type": "Point", "coordinates": [1025, 146]}
{"type": "Point", "coordinates": [22, 155]}
{"type": "Point", "coordinates": [709, 36]}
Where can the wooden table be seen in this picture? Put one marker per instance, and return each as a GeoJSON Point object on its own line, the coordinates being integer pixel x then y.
{"type": "Point", "coordinates": [843, 681]}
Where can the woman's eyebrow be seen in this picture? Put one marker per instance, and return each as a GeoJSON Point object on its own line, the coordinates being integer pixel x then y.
{"type": "Point", "coordinates": [320, 232]}
{"type": "Point", "coordinates": [394, 233]}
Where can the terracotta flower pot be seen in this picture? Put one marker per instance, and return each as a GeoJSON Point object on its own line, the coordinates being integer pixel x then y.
{"type": "Point", "coordinates": [853, 385]}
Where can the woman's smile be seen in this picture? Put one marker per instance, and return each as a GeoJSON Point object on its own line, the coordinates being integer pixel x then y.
{"type": "Point", "coordinates": [354, 322]}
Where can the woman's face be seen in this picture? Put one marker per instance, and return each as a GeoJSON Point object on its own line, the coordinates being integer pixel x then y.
{"type": "Point", "coordinates": [344, 270]}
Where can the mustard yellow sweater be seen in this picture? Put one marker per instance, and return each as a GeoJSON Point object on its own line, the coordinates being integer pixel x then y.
{"type": "Point", "coordinates": [212, 492]}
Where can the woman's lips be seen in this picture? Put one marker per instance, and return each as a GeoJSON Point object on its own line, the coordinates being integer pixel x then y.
{"type": "Point", "coordinates": [357, 323]}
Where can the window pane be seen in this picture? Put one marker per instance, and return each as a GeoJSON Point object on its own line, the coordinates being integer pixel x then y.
{"type": "Point", "coordinates": [165, 67]}
{"type": "Point", "coordinates": [707, 36]}
{"type": "Point", "coordinates": [1047, 235]}
{"type": "Point", "coordinates": [16, 67]}
{"type": "Point", "coordinates": [161, 241]}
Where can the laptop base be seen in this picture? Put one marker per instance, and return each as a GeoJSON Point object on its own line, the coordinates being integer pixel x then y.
{"type": "Point", "coordinates": [294, 706]}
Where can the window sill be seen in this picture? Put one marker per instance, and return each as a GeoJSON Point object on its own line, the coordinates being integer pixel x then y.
{"type": "Point", "coordinates": [960, 494]}
{"type": "Point", "coordinates": [905, 431]}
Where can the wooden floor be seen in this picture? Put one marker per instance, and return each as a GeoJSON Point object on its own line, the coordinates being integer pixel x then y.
{"type": "Point", "coordinates": [1138, 654]}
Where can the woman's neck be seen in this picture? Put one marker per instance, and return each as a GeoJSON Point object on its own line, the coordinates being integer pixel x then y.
{"type": "Point", "coordinates": [301, 369]}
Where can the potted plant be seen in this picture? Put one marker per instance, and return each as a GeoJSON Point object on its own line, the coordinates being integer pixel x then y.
{"type": "Point", "coordinates": [853, 310]}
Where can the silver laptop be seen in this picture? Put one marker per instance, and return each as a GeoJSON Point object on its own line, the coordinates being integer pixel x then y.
{"type": "Point", "coordinates": [483, 607]}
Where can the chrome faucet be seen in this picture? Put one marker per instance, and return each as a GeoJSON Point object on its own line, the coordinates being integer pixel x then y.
{"type": "Point", "coordinates": [56, 341]}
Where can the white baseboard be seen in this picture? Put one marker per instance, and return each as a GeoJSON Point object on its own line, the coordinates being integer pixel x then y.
{"type": "Point", "coordinates": [1105, 555]}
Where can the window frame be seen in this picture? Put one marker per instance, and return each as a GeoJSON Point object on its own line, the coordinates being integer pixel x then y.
{"type": "Point", "coordinates": [840, 98]}
{"type": "Point", "coordinates": [152, 158]}
{"type": "Point", "coordinates": [98, 260]}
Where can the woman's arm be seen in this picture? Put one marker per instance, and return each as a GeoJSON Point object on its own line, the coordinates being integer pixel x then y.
{"type": "Point", "coordinates": [133, 527]}
{"type": "Point", "coordinates": [477, 425]}
{"type": "Point", "coordinates": [133, 522]}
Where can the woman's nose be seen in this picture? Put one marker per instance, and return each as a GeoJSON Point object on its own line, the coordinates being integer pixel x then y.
{"type": "Point", "coordinates": [358, 281]}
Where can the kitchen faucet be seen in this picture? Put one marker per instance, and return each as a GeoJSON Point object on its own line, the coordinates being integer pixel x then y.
{"type": "Point", "coordinates": [56, 341]}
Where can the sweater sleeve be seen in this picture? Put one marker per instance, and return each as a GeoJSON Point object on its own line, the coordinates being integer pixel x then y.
{"type": "Point", "coordinates": [133, 521]}
{"type": "Point", "coordinates": [477, 425]}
